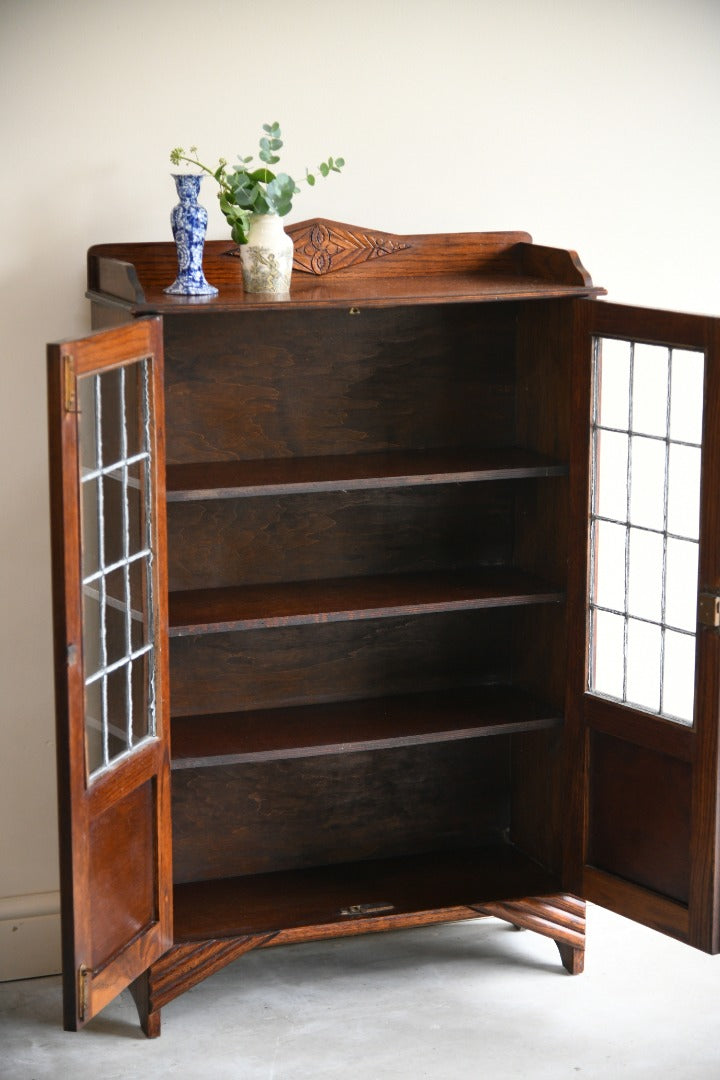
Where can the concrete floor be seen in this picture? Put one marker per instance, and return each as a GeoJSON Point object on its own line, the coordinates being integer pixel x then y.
{"type": "Point", "coordinates": [469, 1000]}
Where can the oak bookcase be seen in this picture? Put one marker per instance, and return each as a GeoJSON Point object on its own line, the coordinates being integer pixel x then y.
{"type": "Point", "coordinates": [324, 582]}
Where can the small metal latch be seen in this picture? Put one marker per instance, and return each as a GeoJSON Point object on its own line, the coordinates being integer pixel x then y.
{"type": "Point", "coordinates": [378, 908]}
{"type": "Point", "coordinates": [72, 655]}
{"type": "Point", "coordinates": [83, 991]}
{"type": "Point", "coordinates": [709, 610]}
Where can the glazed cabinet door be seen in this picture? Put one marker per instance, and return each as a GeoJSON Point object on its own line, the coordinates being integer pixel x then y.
{"type": "Point", "coordinates": [110, 624]}
{"type": "Point", "coordinates": [644, 596]}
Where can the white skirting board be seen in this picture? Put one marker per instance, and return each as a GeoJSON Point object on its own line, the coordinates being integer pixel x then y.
{"type": "Point", "coordinates": [29, 936]}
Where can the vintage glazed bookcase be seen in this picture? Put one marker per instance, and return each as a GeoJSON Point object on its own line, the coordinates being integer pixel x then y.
{"type": "Point", "coordinates": [350, 589]}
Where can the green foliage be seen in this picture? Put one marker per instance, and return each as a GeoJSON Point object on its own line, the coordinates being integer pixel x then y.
{"type": "Point", "coordinates": [245, 191]}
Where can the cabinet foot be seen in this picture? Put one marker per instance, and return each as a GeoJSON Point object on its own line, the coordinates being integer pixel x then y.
{"type": "Point", "coordinates": [149, 1018]}
{"type": "Point", "coordinates": [573, 960]}
{"type": "Point", "coordinates": [560, 917]}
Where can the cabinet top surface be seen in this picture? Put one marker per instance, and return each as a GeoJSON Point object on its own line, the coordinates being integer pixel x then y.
{"type": "Point", "coordinates": [336, 265]}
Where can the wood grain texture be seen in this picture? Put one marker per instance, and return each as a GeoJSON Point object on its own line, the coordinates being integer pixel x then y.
{"type": "Point", "coordinates": [114, 929]}
{"type": "Point", "coordinates": [368, 496]}
{"type": "Point", "coordinates": [705, 851]}
{"type": "Point", "coordinates": [123, 906]}
{"type": "Point", "coordinates": [426, 269]}
{"type": "Point", "coordinates": [335, 535]}
{"type": "Point", "coordinates": [312, 811]}
{"type": "Point", "coordinates": [646, 849]}
{"type": "Point", "coordinates": [325, 247]}
{"type": "Point", "coordinates": [206, 611]}
{"type": "Point", "coordinates": [202, 481]}
{"type": "Point", "coordinates": [286, 384]}
{"type": "Point", "coordinates": [560, 917]}
{"type": "Point", "coordinates": [311, 901]}
{"type": "Point", "coordinates": [341, 661]}
{"type": "Point", "coordinates": [369, 724]}
{"type": "Point", "coordinates": [650, 794]}
{"type": "Point", "coordinates": [186, 965]}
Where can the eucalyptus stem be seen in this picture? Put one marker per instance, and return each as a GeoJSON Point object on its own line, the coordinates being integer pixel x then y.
{"type": "Point", "coordinates": [246, 191]}
{"type": "Point", "coordinates": [218, 174]}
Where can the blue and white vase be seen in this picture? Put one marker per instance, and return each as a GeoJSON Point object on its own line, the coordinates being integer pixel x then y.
{"type": "Point", "coordinates": [189, 225]}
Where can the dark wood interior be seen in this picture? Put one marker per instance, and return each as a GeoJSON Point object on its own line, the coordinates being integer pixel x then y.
{"type": "Point", "coordinates": [367, 512]}
{"type": "Point", "coordinates": [325, 470]}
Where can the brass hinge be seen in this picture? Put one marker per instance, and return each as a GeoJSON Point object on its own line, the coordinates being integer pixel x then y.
{"type": "Point", "coordinates": [83, 977]}
{"type": "Point", "coordinates": [709, 610]}
{"type": "Point", "coordinates": [69, 383]}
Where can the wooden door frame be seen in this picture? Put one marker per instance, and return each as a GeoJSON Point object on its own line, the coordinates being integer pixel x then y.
{"type": "Point", "coordinates": [85, 991]}
{"type": "Point", "coordinates": [697, 922]}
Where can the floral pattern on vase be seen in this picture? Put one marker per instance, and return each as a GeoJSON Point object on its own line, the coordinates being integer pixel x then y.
{"type": "Point", "coordinates": [267, 257]}
{"type": "Point", "coordinates": [189, 225]}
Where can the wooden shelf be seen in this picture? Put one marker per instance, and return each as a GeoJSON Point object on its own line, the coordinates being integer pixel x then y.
{"type": "Point", "coordinates": [317, 897]}
{"type": "Point", "coordinates": [343, 727]}
{"type": "Point", "coordinates": [348, 472]}
{"type": "Point", "coordinates": [450, 269]}
{"type": "Point", "coordinates": [251, 607]}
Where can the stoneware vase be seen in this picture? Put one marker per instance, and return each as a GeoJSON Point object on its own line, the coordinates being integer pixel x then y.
{"type": "Point", "coordinates": [267, 257]}
{"type": "Point", "coordinates": [189, 225]}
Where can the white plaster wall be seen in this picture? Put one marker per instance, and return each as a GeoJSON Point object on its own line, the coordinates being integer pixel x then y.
{"type": "Point", "coordinates": [592, 125]}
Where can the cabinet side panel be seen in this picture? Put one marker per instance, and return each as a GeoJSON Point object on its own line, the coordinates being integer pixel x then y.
{"type": "Point", "coordinates": [104, 316]}
{"type": "Point", "coordinates": [544, 359]}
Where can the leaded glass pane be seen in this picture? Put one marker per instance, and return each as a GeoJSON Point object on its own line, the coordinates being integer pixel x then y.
{"type": "Point", "coordinates": [614, 388]}
{"type": "Point", "coordinates": [646, 479]}
{"type": "Point", "coordinates": [683, 511]}
{"type": "Point", "coordinates": [644, 534]}
{"type": "Point", "coordinates": [91, 539]}
{"type": "Point", "coordinates": [679, 675]}
{"type": "Point", "coordinates": [609, 654]}
{"type": "Point", "coordinates": [650, 390]}
{"type": "Point", "coordinates": [681, 584]}
{"type": "Point", "coordinates": [686, 396]}
{"type": "Point", "coordinates": [645, 569]}
{"type": "Point", "coordinates": [612, 463]}
{"type": "Point", "coordinates": [118, 633]}
{"type": "Point", "coordinates": [609, 542]}
{"type": "Point", "coordinates": [643, 664]}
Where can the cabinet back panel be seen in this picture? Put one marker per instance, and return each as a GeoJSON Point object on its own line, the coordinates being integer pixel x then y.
{"type": "Point", "coordinates": [285, 383]}
{"type": "Point", "coordinates": [338, 661]}
{"type": "Point", "coordinates": [249, 819]}
{"type": "Point", "coordinates": [304, 537]}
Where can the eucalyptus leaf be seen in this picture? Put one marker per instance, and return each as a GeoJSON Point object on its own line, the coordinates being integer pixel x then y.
{"type": "Point", "coordinates": [243, 193]}
{"type": "Point", "coordinates": [264, 176]}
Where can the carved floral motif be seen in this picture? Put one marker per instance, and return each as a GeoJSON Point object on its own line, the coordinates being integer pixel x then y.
{"type": "Point", "coordinates": [323, 248]}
